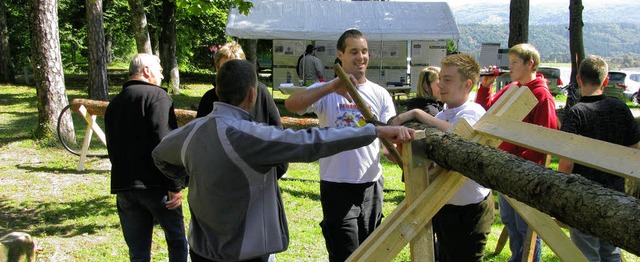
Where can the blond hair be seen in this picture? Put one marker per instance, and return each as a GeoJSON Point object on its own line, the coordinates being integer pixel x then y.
{"type": "Point", "coordinates": [230, 50]}
{"type": "Point", "coordinates": [468, 67]}
{"type": "Point", "coordinates": [427, 76]}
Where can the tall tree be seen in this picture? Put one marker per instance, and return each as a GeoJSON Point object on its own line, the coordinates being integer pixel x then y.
{"type": "Point", "coordinates": [168, 45]}
{"type": "Point", "coordinates": [518, 22]}
{"type": "Point", "coordinates": [6, 65]}
{"type": "Point", "coordinates": [97, 53]}
{"type": "Point", "coordinates": [252, 51]}
{"type": "Point", "coordinates": [139, 23]}
{"type": "Point", "coordinates": [47, 67]}
{"type": "Point", "coordinates": [576, 43]}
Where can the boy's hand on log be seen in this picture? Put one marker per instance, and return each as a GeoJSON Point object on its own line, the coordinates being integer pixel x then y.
{"type": "Point", "coordinates": [396, 134]}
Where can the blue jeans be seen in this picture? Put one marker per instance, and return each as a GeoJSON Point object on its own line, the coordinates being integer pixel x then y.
{"type": "Point", "coordinates": [138, 209]}
{"type": "Point", "coordinates": [517, 229]}
{"type": "Point", "coordinates": [594, 248]}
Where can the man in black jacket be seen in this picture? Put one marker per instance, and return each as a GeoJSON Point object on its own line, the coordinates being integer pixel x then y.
{"type": "Point", "coordinates": [135, 122]}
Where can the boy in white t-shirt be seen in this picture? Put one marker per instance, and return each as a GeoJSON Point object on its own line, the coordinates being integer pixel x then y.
{"type": "Point", "coordinates": [463, 224]}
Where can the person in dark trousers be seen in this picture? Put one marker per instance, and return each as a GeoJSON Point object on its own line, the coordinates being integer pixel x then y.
{"type": "Point", "coordinates": [464, 223]}
{"type": "Point", "coordinates": [135, 122]}
{"type": "Point", "coordinates": [604, 118]}
{"type": "Point", "coordinates": [351, 183]}
{"type": "Point", "coordinates": [237, 209]}
{"type": "Point", "coordinates": [265, 110]}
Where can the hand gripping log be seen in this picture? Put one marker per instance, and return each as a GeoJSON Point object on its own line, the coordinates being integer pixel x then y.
{"type": "Point", "coordinates": [353, 92]}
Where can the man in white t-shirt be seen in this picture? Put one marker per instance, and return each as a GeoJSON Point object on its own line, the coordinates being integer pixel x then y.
{"type": "Point", "coordinates": [351, 182]}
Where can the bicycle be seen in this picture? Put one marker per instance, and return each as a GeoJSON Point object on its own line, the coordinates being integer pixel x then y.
{"type": "Point", "coordinates": [95, 147]}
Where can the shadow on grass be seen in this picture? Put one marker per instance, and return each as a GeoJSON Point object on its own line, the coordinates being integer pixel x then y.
{"type": "Point", "coordinates": [58, 218]}
{"type": "Point", "coordinates": [20, 124]}
{"type": "Point", "coordinates": [59, 170]}
{"type": "Point", "coordinates": [300, 193]}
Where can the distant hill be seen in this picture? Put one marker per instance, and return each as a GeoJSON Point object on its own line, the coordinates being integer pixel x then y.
{"type": "Point", "coordinates": [548, 30]}
{"type": "Point", "coordinates": [551, 12]}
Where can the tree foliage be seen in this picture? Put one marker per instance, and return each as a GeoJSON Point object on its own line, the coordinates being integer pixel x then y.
{"type": "Point", "coordinates": [19, 31]}
{"type": "Point", "coordinates": [198, 7]}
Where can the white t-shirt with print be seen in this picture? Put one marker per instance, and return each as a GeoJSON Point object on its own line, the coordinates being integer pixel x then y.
{"type": "Point", "coordinates": [471, 192]}
{"type": "Point", "coordinates": [359, 165]}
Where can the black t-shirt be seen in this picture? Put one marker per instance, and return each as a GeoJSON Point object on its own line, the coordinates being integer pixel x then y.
{"type": "Point", "coordinates": [430, 106]}
{"type": "Point", "coordinates": [603, 118]}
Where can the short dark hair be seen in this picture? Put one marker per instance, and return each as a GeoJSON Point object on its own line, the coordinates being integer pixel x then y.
{"type": "Point", "coordinates": [309, 49]}
{"type": "Point", "coordinates": [234, 80]}
{"type": "Point", "coordinates": [593, 70]}
{"type": "Point", "coordinates": [343, 38]}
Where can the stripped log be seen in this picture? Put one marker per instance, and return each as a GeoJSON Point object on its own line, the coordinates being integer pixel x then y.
{"type": "Point", "coordinates": [97, 108]}
{"type": "Point", "coordinates": [572, 199]}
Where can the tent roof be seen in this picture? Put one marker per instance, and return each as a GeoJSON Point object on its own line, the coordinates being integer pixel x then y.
{"type": "Point", "coordinates": [327, 20]}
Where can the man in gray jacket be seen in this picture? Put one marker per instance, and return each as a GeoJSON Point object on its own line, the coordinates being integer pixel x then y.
{"type": "Point", "coordinates": [237, 211]}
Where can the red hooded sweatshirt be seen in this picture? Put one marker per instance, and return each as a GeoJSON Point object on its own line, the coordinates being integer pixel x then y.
{"type": "Point", "coordinates": [543, 114]}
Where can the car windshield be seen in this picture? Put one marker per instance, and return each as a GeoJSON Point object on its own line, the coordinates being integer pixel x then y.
{"type": "Point", "coordinates": [549, 72]}
{"type": "Point", "coordinates": [617, 76]}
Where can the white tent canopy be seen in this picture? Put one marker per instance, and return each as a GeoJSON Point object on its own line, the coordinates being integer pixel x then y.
{"type": "Point", "coordinates": [327, 20]}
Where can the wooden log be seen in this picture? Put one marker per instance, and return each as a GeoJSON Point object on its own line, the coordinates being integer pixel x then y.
{"type": "Point", "coordinates": [97, 108]}
{"type": "Point", "coordinates": [94, 107]}
{"type": "Point", "coordinates": [572, 199]}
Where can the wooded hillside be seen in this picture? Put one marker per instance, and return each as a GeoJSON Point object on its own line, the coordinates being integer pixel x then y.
{"type": "Point", "coordinates": [617, 42]}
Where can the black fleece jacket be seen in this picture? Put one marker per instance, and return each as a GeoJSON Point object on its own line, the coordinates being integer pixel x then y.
{"type": "Point", "coordinates": [135, 122]}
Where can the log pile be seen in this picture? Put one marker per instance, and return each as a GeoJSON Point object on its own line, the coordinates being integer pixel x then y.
{"type": "Point", "coordinates": [95, 107]}
{"type": "Point", "coordinates": [572, 199]}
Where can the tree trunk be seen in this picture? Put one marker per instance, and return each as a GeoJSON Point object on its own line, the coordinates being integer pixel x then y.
{"type": "Point", "coordinates": [140, 29]}
{"type": "Point", "coordinates": [518, 22]}
{"type": "Point", "coordinates": [97, 59]}
{"type": "Point", "coordinates": [6, 65]}
{"type": "Point", "coordinates": [576, 43]}
{"type": "Point", "coordinates": [168, 46]}
{"type": "Point", "coordinates": [47, 68]}
{"type": "Point", "coordinates": [572, 199]}
{"type": "Point", "coordinates": [154, 34]}
{"type": "Point", "coordinates": [251, 51]}
{"type": "Point", "coordinates": [108, 47]}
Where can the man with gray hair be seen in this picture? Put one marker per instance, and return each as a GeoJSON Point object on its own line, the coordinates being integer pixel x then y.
{"type": "Point", "coordinates": [135, 122]}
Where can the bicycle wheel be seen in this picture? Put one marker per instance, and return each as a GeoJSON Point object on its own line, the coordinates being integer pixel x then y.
{"type": "Point", "coordinates": [74, 144]}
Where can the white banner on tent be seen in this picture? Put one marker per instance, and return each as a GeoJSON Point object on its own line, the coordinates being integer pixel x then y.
{"type": "Point", "coordinates": [423, 54]}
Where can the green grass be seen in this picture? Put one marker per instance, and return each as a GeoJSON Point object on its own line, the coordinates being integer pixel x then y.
{"type": "Point", "coordinates": [73, 217]}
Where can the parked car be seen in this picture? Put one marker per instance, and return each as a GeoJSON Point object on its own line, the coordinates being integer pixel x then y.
{"type": "Point", "coordinates": [556, 78]}
{"type": "Point", "coordinates": [622, 86]}
{"type": "Point", "coordinates": [635, 76]}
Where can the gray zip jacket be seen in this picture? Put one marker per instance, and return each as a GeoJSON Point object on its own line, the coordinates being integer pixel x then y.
{"type": "Point", "coordinates": [237, 210]}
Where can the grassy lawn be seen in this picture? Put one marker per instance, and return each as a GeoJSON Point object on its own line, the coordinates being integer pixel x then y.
{"type": "Point", "coordinates": [73, 217]}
